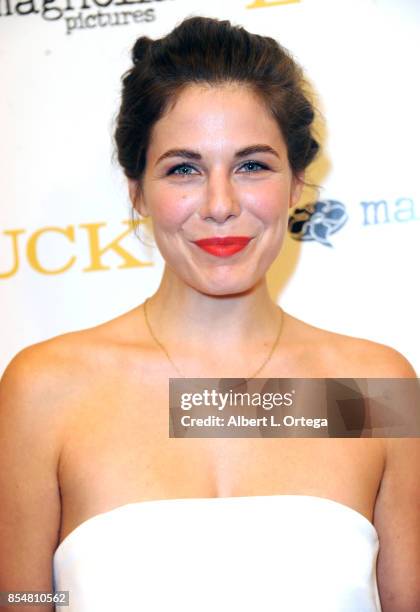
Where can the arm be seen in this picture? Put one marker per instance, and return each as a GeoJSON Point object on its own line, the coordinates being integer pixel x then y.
{"type": "Point", "coordinates": [397, 510]}
{"type": "Point", "coordinates": [397, 520]}
{"type": "Point", "coordinates": [30, 429]}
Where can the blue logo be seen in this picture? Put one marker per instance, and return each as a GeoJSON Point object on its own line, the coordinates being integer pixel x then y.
{"type": "Point", "coordinates": [317, 221]}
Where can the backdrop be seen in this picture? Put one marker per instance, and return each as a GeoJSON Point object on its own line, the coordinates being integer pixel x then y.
{"type": "Point", "coordinates": [67, 257]}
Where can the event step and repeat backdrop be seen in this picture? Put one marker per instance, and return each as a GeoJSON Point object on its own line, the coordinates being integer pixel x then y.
{"type": "Point", "coordinates": [68, 258]}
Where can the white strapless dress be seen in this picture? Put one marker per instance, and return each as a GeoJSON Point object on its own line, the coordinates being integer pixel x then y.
{"type": "Point", "coordinates": [276, 553]}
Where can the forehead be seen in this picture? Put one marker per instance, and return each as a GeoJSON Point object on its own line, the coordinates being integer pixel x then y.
{"type": "Point", "coordinates": [215, 117]}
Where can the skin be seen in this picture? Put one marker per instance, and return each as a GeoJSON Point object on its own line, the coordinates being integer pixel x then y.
{"type": "Point", "coordinates": [220, 195]}
{"type": "Point", "coordinates": [111, 379]}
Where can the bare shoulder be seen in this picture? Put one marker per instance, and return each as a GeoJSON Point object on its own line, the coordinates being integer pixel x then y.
{"type": "Point", "coordinates": [43, 390]}
{"type": "Point", "coordinates": [375, 359]}
{"type": "Point", "coordinates": [52, 378]}
{"type": "Point", "coordinates": [69, 357]}
{"type": "Point", "coordinates": [31, 435]}
{"type": "Point", "coordinates": [35, 373]}
{"type": "Point", "coordinates": [397, 505]}
{"type": "Point", "coordinates": [37, 386]}
{"type": "Point", "coordinates": [341, 355]}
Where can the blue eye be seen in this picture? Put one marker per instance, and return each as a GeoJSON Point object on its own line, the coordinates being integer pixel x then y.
{"type": "Point", "coordinates": [254, 163]}
{"type": "Point", "coordinates": [185, 169]}
{"type": "Point", "coordinates": [181, 167]}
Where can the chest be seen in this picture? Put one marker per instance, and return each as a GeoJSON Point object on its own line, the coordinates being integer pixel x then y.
{"type": "Point", "coordinates": [117, 451]}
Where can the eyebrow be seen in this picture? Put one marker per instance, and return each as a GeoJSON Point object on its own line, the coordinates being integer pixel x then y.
{"type": "Point", "coordinates": [189, 154]}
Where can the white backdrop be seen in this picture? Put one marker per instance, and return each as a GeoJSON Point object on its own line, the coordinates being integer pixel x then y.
{"type": "Point", "coordinates": [60, 189]}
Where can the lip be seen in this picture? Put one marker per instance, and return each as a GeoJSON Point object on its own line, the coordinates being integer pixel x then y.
{"type": "Point", "coordinates": [223, 246]}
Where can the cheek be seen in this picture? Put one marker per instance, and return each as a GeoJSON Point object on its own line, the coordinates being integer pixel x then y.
{"type": "Point", "coordinates": [171, 207]}
{"type": "Point", "coordinates": [269, 204]}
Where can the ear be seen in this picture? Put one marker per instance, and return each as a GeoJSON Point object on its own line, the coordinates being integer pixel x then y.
{"type": "Point", "coordinates": [297, 188]}
{"type": "Point", "coordinates": [136, 196]}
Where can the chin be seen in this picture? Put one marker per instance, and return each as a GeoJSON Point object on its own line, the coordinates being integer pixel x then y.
{"type": "Point", "coordinates": [226, 288]}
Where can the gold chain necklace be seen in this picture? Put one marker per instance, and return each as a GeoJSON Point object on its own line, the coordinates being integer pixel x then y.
{"type": "Point", "coordinates": [266, 360]}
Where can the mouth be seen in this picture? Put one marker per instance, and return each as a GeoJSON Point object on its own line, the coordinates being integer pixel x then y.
{"type": "Point", "coordinates": [223, 246]}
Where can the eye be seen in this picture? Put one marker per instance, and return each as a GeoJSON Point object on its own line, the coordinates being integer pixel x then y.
{"type": "Point", "coordinates": [253, 166]}
{"type": "Point", "coordinates": [183, 170]}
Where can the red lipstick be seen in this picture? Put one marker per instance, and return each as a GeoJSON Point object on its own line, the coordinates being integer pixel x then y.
{"type": "Point", "coordinates": [223, 246]}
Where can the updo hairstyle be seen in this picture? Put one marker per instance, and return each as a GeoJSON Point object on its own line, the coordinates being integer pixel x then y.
{"type": "Point", "coordinates": [209, 51]}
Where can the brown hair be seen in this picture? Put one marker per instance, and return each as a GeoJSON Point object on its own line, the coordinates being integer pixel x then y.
{"type": "Point", "coordinates": [207, 50]}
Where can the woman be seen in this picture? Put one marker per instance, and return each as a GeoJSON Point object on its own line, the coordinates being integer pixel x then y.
{"type": "Point", "coordinates": [214, 136]}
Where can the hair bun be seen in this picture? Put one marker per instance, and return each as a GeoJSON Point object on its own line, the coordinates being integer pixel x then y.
{"type": "Point", "coordinates": [141, 48]}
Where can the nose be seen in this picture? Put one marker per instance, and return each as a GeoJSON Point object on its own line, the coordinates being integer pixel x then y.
{"type": "Point", "coordinates": [220, 199]}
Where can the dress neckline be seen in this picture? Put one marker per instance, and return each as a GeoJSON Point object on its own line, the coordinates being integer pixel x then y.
{"type": "Point", "coordinates": [211, 500]}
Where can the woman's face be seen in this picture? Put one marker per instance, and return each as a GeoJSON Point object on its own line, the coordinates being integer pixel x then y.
{"type": "Point", "coordinates": [217, 166]}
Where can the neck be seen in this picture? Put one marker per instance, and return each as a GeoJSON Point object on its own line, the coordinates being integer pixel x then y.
{"type": "Point", "coordinates": [181, 314]}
